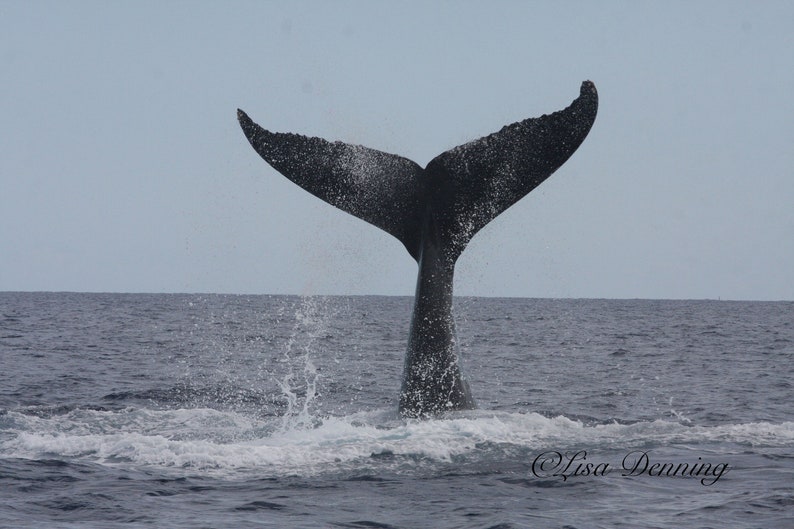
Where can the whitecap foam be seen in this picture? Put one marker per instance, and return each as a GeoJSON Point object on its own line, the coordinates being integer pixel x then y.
{"type": "Point", "coordinates": [222, 441]}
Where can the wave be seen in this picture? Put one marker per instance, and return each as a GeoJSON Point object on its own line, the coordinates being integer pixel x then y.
{"type": "Point", "coordinates": [224, 442]}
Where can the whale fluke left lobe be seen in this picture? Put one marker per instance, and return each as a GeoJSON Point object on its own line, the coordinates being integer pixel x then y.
{"type": "Point", "coordinates": [381, 188]}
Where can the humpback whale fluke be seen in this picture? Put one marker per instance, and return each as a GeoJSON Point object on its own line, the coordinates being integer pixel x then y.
{"type": "Point", "coordinates": [434, 212]}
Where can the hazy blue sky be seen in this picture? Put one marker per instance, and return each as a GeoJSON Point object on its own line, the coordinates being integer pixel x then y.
{"type": "Point", "coordinates": [122, 167]}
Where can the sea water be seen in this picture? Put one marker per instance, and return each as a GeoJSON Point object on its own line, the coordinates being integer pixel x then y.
{"type": "Point", "coordinates": [276, 411]}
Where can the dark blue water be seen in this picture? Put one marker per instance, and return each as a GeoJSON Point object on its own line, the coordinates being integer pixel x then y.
{"type": "Point", "coordinates": [272, 411]}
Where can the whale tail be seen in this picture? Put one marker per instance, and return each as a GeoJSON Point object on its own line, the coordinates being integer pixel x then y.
{"type": "Point", "coordinates": [463, 189]}
{"type": "Point", "coordinates": [434, 212]}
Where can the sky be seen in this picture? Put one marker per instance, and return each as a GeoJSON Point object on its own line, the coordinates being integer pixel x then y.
{"type": "Point", "coordinates": [123, 168]}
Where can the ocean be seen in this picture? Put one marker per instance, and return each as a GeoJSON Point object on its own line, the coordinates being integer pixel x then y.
{"type": "Point", "coordinates": [220, 411]}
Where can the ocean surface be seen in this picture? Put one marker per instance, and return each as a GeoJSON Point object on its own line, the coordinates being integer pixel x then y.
{"type": "Point", "coordinates": [193, 411]}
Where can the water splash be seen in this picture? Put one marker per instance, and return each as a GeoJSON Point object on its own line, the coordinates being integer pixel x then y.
{"type": "Point", "coordinates": [299, 384]}
{"type": "Point", "coordinates": [683, 419]}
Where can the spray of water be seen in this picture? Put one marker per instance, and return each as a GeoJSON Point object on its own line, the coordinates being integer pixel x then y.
{"type": "Point", "coordinates": [299, 384]}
